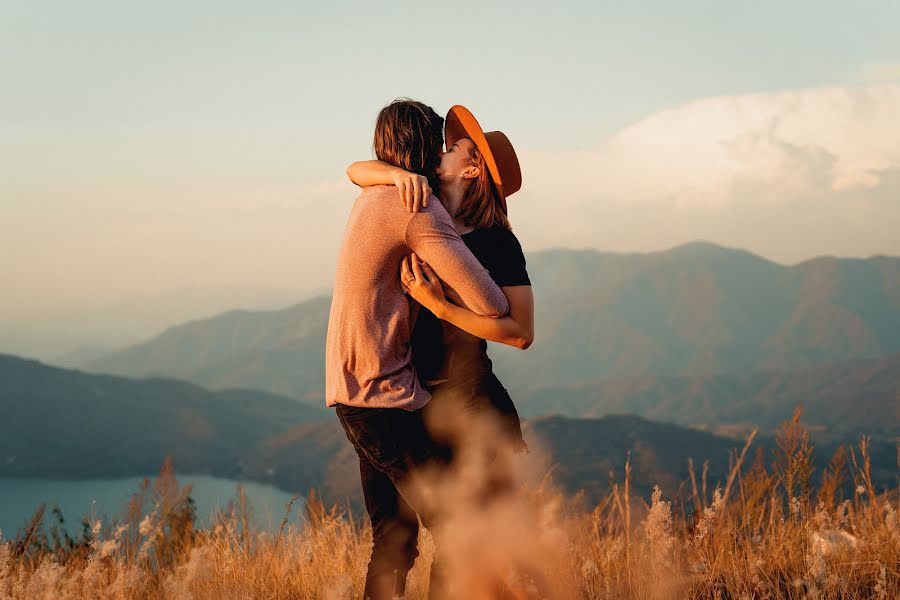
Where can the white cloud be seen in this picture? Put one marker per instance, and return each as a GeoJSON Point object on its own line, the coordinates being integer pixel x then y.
{"type": "Point", "coordinates": [787, 144]}
{"type": "Point", "coordinates": [783, 174]}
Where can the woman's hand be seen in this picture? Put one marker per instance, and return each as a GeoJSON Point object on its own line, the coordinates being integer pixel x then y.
{"type": "Point", "coordinates": [421, 283]}
{"type": "Point", "coordinates": [414, 189]}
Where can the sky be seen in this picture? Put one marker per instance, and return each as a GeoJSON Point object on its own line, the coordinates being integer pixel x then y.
{"type": "Point", "coordinates": [158, 150]}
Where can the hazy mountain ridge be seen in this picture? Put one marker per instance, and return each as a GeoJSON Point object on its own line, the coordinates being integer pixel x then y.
{"type": "Point", "coordinates": [280, 351]}
{"type": "Point", "coordinates": [697, 308]}
{"type": "Point", "coordinates": [74, 336]}
{"type": "Point", "coordinates": [694, 309]}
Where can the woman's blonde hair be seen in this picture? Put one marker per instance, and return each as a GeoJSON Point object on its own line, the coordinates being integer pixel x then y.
{"type": "Point", "coordinates": [480, 207]}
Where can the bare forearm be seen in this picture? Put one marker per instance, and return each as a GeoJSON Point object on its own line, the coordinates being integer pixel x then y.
{"type": "Point", "coordinates": [505, 330]}
{"type": "Point", "coordinates": [434, 239]}
{"type": "Point", "coordinates": [373, 172]}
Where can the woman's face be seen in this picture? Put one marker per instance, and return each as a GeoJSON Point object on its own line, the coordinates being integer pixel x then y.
{"type": "Point", "coordinates": [456, 162]}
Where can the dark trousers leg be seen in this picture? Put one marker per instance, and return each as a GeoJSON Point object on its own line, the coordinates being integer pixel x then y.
{"type": "Point", "coordinates": [395, 532]}
{"type": "Point", "coordinates": [391, 444]}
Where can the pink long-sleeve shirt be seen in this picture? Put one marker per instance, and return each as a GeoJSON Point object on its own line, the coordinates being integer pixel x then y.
{"type": "Point", "coordinates": [368, 360]}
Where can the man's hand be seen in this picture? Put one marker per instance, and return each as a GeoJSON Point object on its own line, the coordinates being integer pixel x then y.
{"type": "Point", "coordinates": [414, 189]}
{"type": "Point", "coordinates": [421, 283]}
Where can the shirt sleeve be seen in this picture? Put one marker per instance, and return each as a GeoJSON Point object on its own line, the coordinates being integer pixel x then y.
{"type": "Point", "coordinates": [432, 236]}
{"type": "Point", "coordinates": [509, 266]}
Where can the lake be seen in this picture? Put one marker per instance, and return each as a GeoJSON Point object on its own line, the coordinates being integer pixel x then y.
{"type": "Point", "coordinates": [104, 498]}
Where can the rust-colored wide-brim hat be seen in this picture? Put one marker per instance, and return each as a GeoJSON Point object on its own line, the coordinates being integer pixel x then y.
{"type": "Point", "coordinates": [495, 147]}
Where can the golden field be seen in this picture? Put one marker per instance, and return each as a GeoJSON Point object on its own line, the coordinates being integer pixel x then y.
{"type": "Point", "coordinates": [764, 534]}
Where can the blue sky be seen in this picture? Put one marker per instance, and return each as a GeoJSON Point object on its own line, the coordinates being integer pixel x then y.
{"type": "Point", "coordinates": [152, 145]}
{"type": "Point", "coordinates": [276, 87]}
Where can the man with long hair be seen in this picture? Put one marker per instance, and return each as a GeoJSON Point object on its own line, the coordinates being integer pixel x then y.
{"type": "Point", "coordinates": [369, 375]}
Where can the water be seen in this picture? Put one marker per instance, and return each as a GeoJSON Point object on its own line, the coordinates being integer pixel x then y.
{"type": "Point", "coordinates": [104, 498]}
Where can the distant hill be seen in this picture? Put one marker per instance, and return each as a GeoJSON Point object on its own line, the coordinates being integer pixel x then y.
{"type": "Point", "coordinates": [309, 455]}
{"type": "Point", "coordinates": [62, 423]}
{"type": "Point", "coordinates": [839, 398]}
{"type": "Point", "coordinates": [586, 450]}
{"type": "Point", "coordinates": [280, 351]}
{"type": "Point", "coordinates": [71, 337]}
{"type": "Point", "coordinates": [697, 308]}
{"type": "Point", "coordinates": [581, 452]}
{"type": "Point", "coordinates": [65, 423]}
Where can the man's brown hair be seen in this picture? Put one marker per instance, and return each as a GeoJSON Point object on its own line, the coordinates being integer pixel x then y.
{"type": "Point", "coordinates": [410, 135]}
{"type": "Point", "coordinates": [480, 207]}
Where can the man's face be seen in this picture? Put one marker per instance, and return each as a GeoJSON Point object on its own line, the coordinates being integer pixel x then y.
{"type": "Point", "coordinates": [456, 160]}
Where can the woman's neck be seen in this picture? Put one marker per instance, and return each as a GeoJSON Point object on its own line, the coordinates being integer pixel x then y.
{"type": "Point", "coordinates": [452, 194]}
{"type": "Point", "coordinates": [461, 227]}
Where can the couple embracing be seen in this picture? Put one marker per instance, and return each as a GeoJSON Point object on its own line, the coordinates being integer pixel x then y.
{"type": "Point", "coordinates": [429, 269]}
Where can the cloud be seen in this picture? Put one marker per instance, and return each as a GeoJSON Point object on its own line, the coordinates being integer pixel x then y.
{"type": "Point", "coordinates": [784, 144]}
{"type": "Point", "coordinates": [788, 175]}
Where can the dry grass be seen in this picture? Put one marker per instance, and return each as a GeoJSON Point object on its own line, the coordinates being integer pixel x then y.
{"type": "Point", "coordinates": [764, 535]}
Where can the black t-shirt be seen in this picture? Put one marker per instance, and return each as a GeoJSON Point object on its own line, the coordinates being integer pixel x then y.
{"type": "Point", "coordinates": [499, 251]}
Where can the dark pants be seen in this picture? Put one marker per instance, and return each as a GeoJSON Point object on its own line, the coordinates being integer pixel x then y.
{"type": "Point", "coordinates": [391, 443]}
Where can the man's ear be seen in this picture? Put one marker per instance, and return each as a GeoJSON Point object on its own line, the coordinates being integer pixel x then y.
{"type": "Point", "coordinates": [470, 173]}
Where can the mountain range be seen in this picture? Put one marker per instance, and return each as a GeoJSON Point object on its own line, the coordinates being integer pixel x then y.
{"type": "Point", "coordinates": [66, 423]}
{"type": "Point", "coordinates": [695, 334]}
{"type": "Point", "coordinates": [839, 398]}
{"type": "Point", "coordinates": [281, 351]}
{"type": "Point", "coordinates": [71, 336]}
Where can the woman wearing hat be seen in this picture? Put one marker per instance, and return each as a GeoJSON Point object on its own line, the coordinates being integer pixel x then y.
{"type": "Point", "coordinates": [469, 406]}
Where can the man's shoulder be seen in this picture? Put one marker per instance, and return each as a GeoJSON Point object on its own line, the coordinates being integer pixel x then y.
{"type": "Point", "coordinates": [381, 202]}
{"type": "Point", "coordinates": [380, 192]}
{"type": "Point", "coordinates": [384, 200]}
{"type": "Point", "coordinates": [390, 193]}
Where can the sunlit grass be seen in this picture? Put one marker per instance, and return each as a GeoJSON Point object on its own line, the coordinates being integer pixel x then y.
{"type": "Point", "coordinates": [763, 534]}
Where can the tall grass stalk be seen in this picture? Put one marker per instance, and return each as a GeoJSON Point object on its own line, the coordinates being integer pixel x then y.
{"type": "Point", "coordinates": [758, 537]}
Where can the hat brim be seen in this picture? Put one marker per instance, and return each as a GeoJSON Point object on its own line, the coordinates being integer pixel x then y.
{"type": "Point", "coordinates": [461, 123]}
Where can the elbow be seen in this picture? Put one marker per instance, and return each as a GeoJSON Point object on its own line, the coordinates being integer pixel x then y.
{"type": "Point", "coordinates": [351, 171]}
{"type": "Point", "coordinates": [523, 342]}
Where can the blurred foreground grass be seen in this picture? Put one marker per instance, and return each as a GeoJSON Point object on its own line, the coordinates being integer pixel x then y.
{"type": "Point", "coordinates": [765, 534]}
